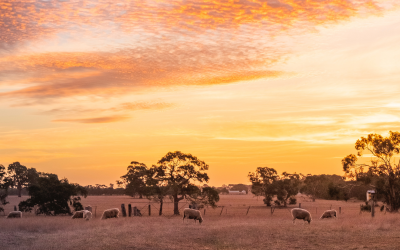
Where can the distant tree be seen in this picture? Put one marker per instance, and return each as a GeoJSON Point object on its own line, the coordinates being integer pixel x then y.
{"type": "Point", "coordinates": [135, 179]}
{"type": "Point", "coordinates": [223, 190]}
{"type": "Point", "coordinates": [180, 171]}
{"type": "Point", "coordinates": [314, 186]}
{"type": "Point", "coordinates": [333, 190]}
{"type": "Point", "coordinates": [19, 176]}
{"type": "Point", "coordinates": [263, 183]}
{"type": "Point", "coordinates": [287, 187]}
{"type": "Point", "coordinates": [382, 172]}
{"type": "Point", "coordinates": [53, 196]}
{"type": "Point", "coordinates": [5, 183]}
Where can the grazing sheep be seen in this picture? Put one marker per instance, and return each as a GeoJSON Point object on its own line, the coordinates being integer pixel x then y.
{"type": "Point", "coordinates": [192, 214]}
{"type": "Point", "coordinates": [89, 208]}
{"type": "Point", "coordinates": [110, 213]}
{"type": "Point", "coordinates": [78, 215]}
{"type": "Point", "coordinates": [301, 214]}
{"type": "Point", "coordinates": [15, 214]}
{"type": "Point", "coordinates": [329, 214]}
{"type": "Point", "coordinates": [87, 215]}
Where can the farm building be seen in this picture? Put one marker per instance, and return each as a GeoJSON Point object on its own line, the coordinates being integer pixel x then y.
{"type": "Point", "coordinates": [237, 192]}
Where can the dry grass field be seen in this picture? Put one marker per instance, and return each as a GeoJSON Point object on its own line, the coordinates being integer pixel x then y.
{"type": "Point", "coordinates": [233, 229]}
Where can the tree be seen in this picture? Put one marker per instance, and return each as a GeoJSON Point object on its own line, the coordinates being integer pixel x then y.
{"type": "Point", "coordinates": [135, 179]}
{"type": "Point", "coordinates": [180, 171]}
{"type": "Point", "coordinates": [382, 172]}
{"type": "Point", "coordinates": [157, 186]}
{"type": "Point", "coordinates": [5, 183]}
{"type": "Point", "coordinates": [263, 181]}
{"type": "Point", "coordinates": [287, 187]}
{"type": "Point", "coordinates": [19, 176]}
{"type": "Point", "coordinates": [53, 196]}
{"type": "Point", "coordinates": [313, 186]}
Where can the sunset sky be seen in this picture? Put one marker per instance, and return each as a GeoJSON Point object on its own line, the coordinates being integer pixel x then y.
{"type": "Point", "coordinates": [87, 86]}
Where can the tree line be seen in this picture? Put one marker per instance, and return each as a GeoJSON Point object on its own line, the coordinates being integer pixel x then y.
{"type": "Point", "coordinates": [178, 176]}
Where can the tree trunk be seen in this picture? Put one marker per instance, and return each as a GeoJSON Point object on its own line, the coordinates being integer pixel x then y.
{"type": "Point", "coordinates": [176, 207]}
{"type": "Point", "coordinates": [161, 205]}
{"type": "Point", "coordinates": [19, 187]}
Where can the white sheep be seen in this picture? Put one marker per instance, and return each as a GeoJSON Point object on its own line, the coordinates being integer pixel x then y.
{"type": "Point", "coordinates": [87, 215]}
{"type": "Point", "coordinates": [329, 214]}
{"type": "Point", "coordinates": [89, 208]}
{"type": "Point", "coordinates": [14, 214]}
{"type": "Point", "coordinates": [78, 215]}
{"type": "Point", "coordinates": [192, 214]}
{"type": "Point", "coordinates": [110, 213]}
{"type": "Point", "coordinates": [301, 214]}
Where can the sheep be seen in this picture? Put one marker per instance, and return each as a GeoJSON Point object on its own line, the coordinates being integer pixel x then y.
{"type": "Point", "coordinates": [87, 215]}
{"type": "Point", "coordinates": [14, 214]}
{"type": "Point", "coordinates": [89, 208]}
{"type": "Point", "coordinates": [329, 214]}
{"type": "Point", "coordinates": [301, 214]}
{"type": "Point", "coordinates": [192, 214]}
{"type": "Point", "coordinates": [78, 215]}
{"type": "Point", "coordinates": [110, 213]}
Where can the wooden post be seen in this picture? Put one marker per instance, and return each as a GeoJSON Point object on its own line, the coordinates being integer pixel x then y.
{"type": "Point", "coordinates": [204, 211]}
{"type": "Point", "coordinates": [299, 205]}
{"type": "Point", "coordinates": [373, 206]}
{"type": "Point", "coordinates": [248, 210]}
{"type": "Point", "coordinates": [123, 210]}
{"type": "Point", "coordinates": [340, 210]}
{"type": "Point", "coordinates": [149, 210]}
{"type": "Point", "coordinates": [134, 211]}
{"type": "Point", "coordinates": [221, 210]}
{"type": "Point", "coordinates": [129, 210]}
{"type": "Point", "coordinates": [15, 208]}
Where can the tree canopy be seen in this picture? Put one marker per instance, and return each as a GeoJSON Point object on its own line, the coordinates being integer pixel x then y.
{"type": "Point", "coordinates": [176, 175]}
{"type": "Point", "coordinates": [381, 172]}
{"type": "Point", "coordinates": [53, 196]}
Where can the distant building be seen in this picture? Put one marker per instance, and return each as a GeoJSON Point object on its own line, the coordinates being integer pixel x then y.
{"type": "Point", "coordinates": [243, 192]}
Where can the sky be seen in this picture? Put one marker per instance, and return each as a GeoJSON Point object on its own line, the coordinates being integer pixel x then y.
{"type": "Point", "coordinates": [87, 86]}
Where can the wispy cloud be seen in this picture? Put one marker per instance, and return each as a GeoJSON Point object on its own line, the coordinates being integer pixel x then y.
{"type": "Point", "coordinates": [104, 119]}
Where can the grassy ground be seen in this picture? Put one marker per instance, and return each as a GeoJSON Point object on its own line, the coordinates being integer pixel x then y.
{"type": "Point", "coordinates": [233, 229]}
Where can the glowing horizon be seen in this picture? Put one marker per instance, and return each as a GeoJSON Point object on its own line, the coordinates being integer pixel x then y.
{"type": "Point", "coordinates": [86, 87]}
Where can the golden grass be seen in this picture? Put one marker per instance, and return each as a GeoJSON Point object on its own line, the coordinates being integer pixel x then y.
{"type": "Point", "coordinates": [232, 230]}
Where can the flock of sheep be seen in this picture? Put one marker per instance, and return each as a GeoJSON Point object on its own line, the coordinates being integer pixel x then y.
{"type": "Point", "coordinates": [302, 214]}
{"type": "Point", "coordinates": [188, 213]}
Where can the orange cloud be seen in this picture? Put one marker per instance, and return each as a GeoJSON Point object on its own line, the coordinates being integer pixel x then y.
{"type": "Point", "coordinates": [104, 119]}
{"type": "Point", "coordinates": [189, 42]}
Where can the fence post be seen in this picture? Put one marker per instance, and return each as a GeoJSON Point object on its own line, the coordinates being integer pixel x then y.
{"type": "Point", "coordinates": [204, 211]}
{"type": "Point", "coordinates": [15, 208]}
{"type": "Point", "coordinates": [123, 210]}
{"type": "Point", "coordinates": [129, 210]}
{"type": "Point", "coordinates": [299, 205]}
{"type": "Point", "coordinates": [95, 212]}
{"type": "Point", "coordinates": [221, 210]}
{"type": "Point", "coordinates": [248, 210]}
{"type": "Point", "coordinates": [340, 210]}
{"type": "Point", "coordinates": [149, 210]}
{"type": "Point", "coordinates": [373, 209]}
{"type": "Point", "coordinates": [135, 211]}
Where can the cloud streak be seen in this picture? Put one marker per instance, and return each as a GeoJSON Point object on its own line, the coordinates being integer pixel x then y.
{"type": "Point", "coordinates": [104, 119]}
